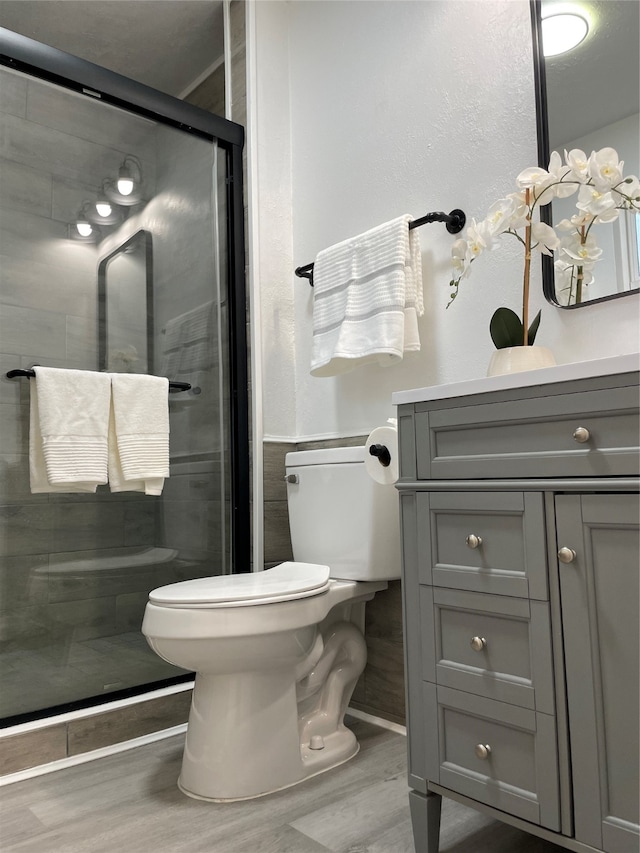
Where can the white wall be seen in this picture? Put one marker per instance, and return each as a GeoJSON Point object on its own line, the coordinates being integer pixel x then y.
{"type": "Point", "coordinates": [367, 110]}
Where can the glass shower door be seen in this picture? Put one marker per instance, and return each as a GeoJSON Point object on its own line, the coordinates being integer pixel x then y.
{"type": "Point", "coordinates": [145, 292]}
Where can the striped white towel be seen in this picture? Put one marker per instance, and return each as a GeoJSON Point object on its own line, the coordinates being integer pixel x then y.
{"type": "Point", "coordinates": [367, 298]}
{"type": "Point", "coordinates": [68, 430]}
{"type": "Point", "coordinates": [139, 433]}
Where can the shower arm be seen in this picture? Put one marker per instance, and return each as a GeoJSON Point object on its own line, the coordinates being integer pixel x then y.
{"type": "Point", "coordinates": [174, 387]}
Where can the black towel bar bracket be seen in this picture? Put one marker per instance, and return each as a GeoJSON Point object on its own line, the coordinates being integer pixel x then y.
{"type": "Point", "coordinates": [455, 222]}
{"type": "Point", "coordinates": [28, 372]}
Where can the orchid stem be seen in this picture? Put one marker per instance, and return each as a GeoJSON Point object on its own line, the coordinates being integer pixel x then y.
{"type": "Point", "coordinates": [525, 284]}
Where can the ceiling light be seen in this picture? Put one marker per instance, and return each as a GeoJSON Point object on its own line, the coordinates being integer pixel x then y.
{"type": "Point", "coordinates": [83, 226]}
{"type": "Point", "coordinates": [127, 184]}
{"type": "Point", "coordinates": [103, 208]}
{"type": "Point", "coordinates": [102, 211]}
{"type": "Point", "coordinates": [562, 32]}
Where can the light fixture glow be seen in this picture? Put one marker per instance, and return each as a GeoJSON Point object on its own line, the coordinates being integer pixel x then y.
{"type": "Point", "coordinates": [125, 186]}
{"type": "Point", "coordinates": [84, 228]}
{"type": "Point", "coordinates": [563, 32]}
{"type": "Point", "coordinates": [126, 189]}
{"type": "Point", "coordinates": [129, 174]}
{"type": "Point", "coordinates": [103, 208]}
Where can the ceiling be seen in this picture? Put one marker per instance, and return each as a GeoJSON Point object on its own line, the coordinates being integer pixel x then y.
{"type": "Point", "coordinates": [166, 44]}
{"type": "Point", "coordinates": [596, 83]}
{"type": "Point", "coordinates": [169, 44]}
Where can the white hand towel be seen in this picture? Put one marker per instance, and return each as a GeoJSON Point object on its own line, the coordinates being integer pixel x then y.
{"type": "Point", "coordinates": [139, 433]}
{"type": "Point", "coordinates": [68, 430]}
{"type": "Point", "coordinates": [367, 298]}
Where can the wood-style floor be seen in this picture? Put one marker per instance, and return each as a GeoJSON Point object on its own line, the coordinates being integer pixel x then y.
{"type": "Point", "coordinates": [129, 803]}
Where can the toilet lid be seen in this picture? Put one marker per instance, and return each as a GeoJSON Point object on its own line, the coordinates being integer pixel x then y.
{"type": "Point", "coordinates": [283, 582]}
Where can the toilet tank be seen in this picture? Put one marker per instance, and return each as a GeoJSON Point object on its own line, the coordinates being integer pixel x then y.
{"type": "Point", "coordinates": [340, 517]}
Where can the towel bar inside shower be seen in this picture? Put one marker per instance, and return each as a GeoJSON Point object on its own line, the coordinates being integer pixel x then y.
{"type": "Point", "coordinates": [14, 374]}
{"type": "Point", "coordinates": [455, 222]}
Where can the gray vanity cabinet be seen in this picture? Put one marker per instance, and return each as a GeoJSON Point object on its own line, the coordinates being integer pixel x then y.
{"type": "Point", "coordinates": [600, 593]}
{"type": "Point", "coordinates": [520, 524]}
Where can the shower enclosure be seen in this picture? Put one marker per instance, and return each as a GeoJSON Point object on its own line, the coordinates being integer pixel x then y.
{"type": "Point", "coordinates": [155, 285]}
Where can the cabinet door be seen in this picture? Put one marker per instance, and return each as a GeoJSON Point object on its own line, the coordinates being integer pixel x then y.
{"type": "Point", "coordinates": [599, 593]}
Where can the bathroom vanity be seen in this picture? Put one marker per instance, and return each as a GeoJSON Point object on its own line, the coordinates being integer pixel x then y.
{"type": "Point", "coordinates": [520, 510]}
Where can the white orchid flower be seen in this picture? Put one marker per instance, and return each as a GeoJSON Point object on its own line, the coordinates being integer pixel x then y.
{"type": "Point", "coordinates": [582, 251]}
{"type": "Point", "coordinates": [564, 185]}
{"type": "Point", "coordinates": [546, 239]}
{"type": "Point", "coordinates": [521, 212]}
{"type": "Point", "coordinates": [538, 180]}
{"type": "Point", "coordinates": [479, 238]}
{"type": "Point", "coordinates": [502, 215]}
{"type": "Point", "coordinates": [602, 192]}
{"type": "Point", "coordinates": [587, 275]}
{"type": "Point", "coordinates": [594, 201]}
{"type": "Point", "coordinates": [459, 258]}
{"type": "Point", "coordinates": [605, 168]}
{"type": "Point", "coordinates": [577, 221]}
{"type": "Point", "coordinates": [578, 163]}
{"type": "Point", "coordinates": [630, 189]}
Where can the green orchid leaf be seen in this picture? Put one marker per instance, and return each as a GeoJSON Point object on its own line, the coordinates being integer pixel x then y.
{"type": "Point", "coordinates": [506, 329]}
{"type": "Point", "coordinates": [533, 328]}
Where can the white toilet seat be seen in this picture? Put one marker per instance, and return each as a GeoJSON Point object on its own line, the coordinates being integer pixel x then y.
{"type": "Point", "coordinates": [282, 583]}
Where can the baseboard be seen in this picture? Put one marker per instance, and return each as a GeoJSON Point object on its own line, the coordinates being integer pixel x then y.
{"type": "Point", "coordinates": [93, 755]}
{"type": "Point", "coordinates": [377, 721]}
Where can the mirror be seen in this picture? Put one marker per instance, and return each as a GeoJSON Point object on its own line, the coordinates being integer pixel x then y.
{"type": "Point", "coordinates": [125, 307]}
{"type": "Point", "coordinates": [588, 98]}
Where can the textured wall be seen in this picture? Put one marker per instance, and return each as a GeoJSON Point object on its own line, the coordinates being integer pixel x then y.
{"type": "Point", "coordinates": [396, 107]}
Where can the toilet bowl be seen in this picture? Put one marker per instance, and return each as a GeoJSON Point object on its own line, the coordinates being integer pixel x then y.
{"type": "Point", "coordinates": [278, 653]}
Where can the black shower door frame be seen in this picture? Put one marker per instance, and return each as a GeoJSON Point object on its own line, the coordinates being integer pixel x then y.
{"type": "Point", "coordinates": [47, 63]}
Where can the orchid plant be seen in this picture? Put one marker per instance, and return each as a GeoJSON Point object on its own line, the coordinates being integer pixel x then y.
{"type": "Point", "coordinates": [602, 192]}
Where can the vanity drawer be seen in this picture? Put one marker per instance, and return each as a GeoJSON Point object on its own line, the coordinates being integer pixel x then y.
{"type": "Point", "coordinates": [495, 753]}
{"type": "Point", "coordinates": [489, 645]}
{"type": "Point", "coordinates": [491, 542]}
{"type": "Point", "coordinates": [593, 433]}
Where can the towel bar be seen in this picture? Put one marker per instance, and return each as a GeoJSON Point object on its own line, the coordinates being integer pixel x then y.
{"type": "Point", "coordinates": [455, 222]}
{"type": "Point", "coordinates": [14, 374]}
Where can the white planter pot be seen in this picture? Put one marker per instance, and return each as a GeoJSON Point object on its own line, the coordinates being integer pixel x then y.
{"type": "Point", "coordinates": [517, 359]}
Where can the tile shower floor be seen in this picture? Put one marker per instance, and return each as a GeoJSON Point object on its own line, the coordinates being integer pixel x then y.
{"type": "Point", "coordinates": [129, 803]}
{"type": "Point", "coordinates": [54, 674]}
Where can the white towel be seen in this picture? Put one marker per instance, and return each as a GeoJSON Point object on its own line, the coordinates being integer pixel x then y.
{"type": "Point", "coordinates": [367, 298]}
{"type": "Point", "coordinates": [68, 430]}
{"type": "Point", "coordinates": [139, 433]}
{"type": "Point", "coordinates": [187, 344]}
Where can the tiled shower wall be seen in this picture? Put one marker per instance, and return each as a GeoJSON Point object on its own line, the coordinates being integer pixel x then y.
{"type": "Point", "coordinates": [380, 690]}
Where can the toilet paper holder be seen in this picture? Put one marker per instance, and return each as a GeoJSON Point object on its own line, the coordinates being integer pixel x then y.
{"type": "Point", "coordinates": [382, 452]}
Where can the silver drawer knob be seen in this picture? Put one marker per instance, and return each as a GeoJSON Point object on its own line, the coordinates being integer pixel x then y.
{"type": "Point", "coordinates": [483, 751]}
{"type": "Point", "coordinates": [473, 541]}
{"type": "Point", "coordinates": [478, 643]}
{"type": "Point", "coordinates": [566, 555]}
{"type": "Point", "coordinates": [581, 434]}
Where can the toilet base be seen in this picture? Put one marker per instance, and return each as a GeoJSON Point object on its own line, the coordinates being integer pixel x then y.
{"type": "Point", "coordinates": [339, 748]}
{"type": "Point", "coordinates": [253, 733]}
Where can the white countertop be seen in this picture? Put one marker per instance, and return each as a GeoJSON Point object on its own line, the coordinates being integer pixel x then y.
{"type": "Point", "coordinates": [544, 376]}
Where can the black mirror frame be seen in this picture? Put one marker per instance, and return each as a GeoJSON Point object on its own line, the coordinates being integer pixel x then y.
{"type": "Point", "coordinates": [544, 153]}
{"type": "Point", "coordinates": [144, 237]}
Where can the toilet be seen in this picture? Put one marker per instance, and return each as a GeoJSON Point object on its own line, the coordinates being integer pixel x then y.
{"type": "Point", "coordinates": [277, 653]}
